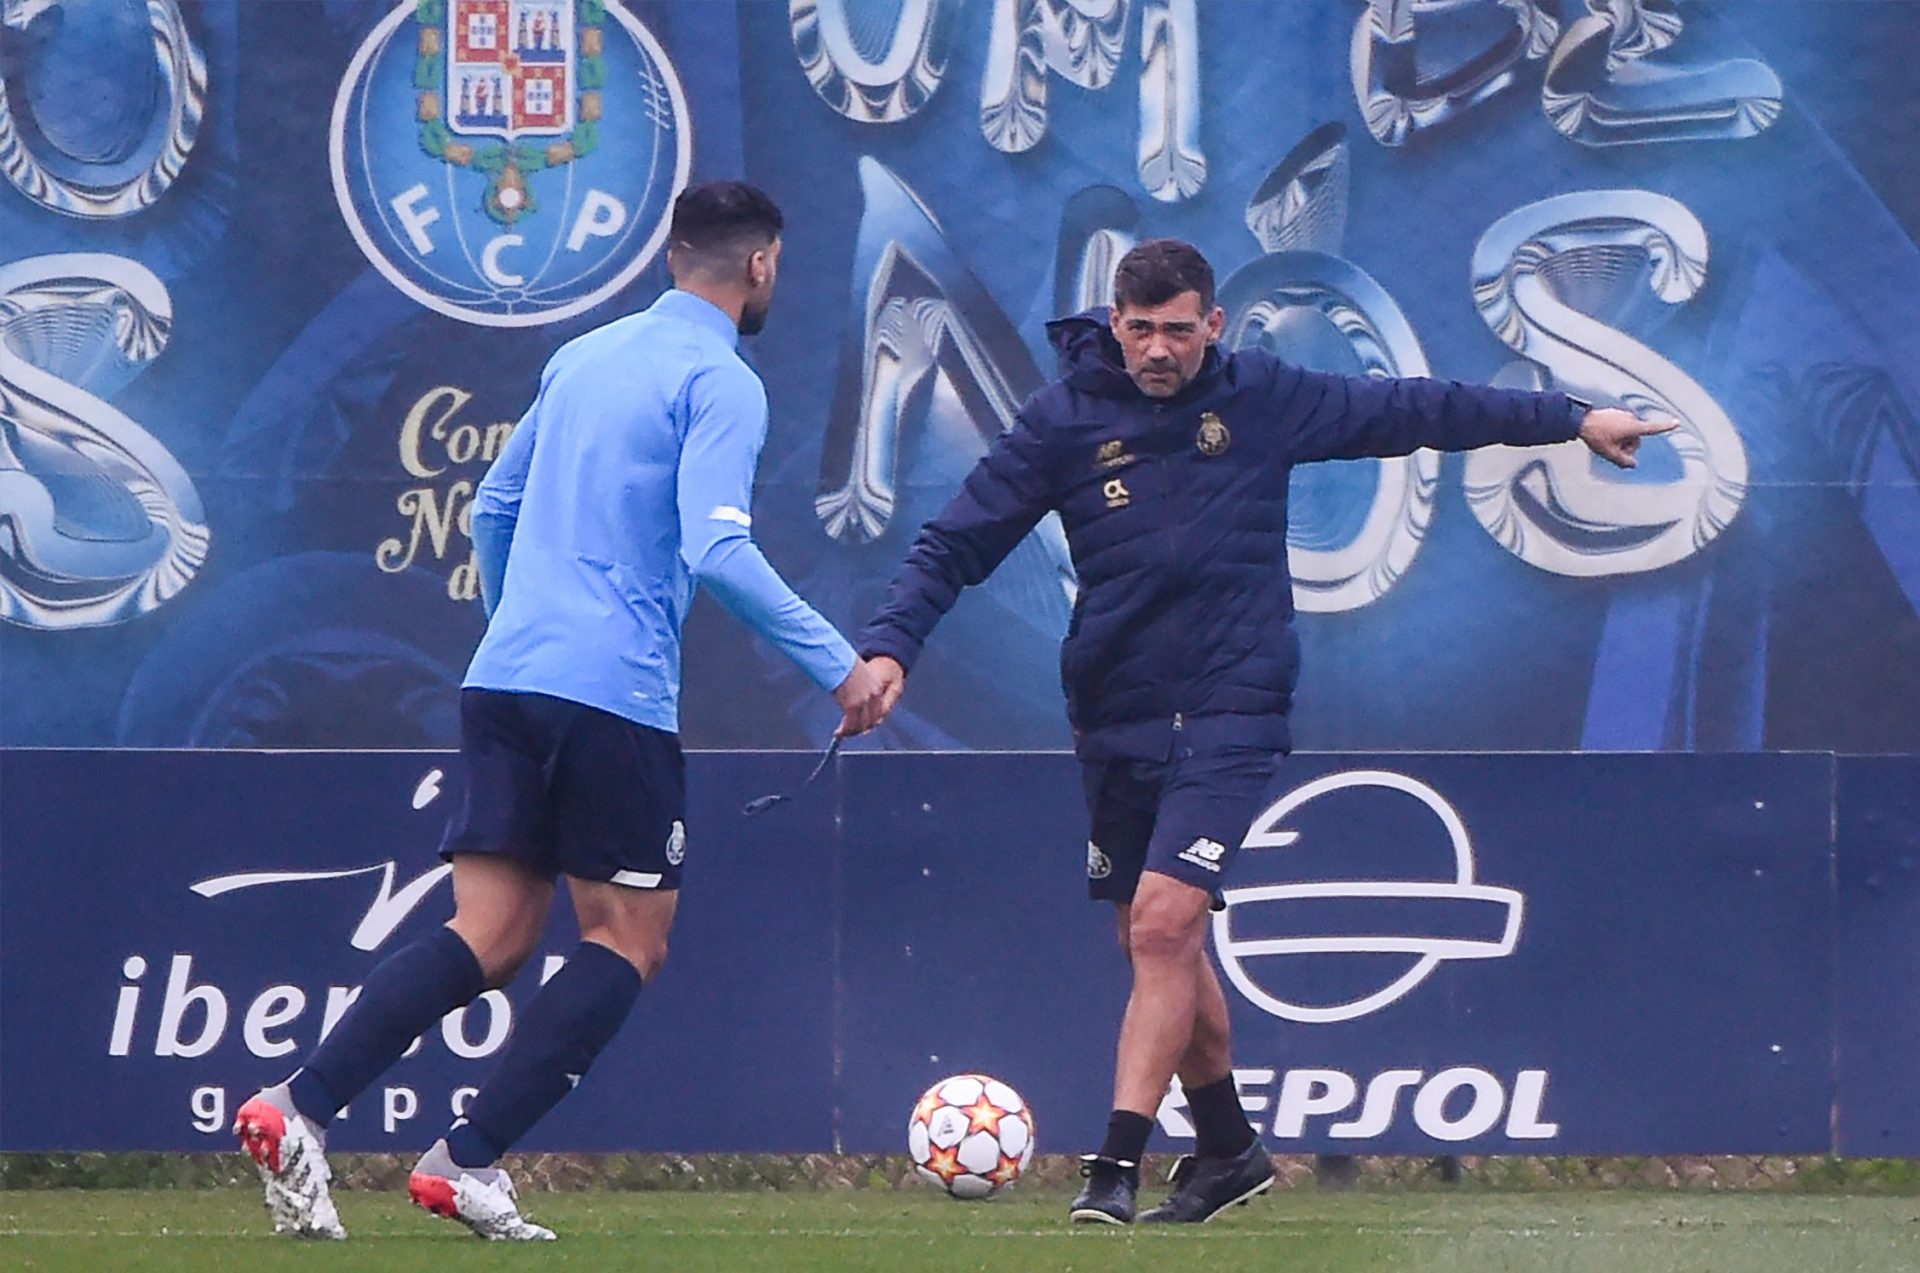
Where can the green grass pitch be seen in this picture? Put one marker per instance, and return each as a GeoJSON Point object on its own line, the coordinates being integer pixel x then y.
{"type": "Point", "coordinates": [902, 1232]}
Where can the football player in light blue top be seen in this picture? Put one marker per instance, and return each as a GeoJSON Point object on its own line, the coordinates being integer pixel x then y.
{"type": "Point", "coordinates": [626, 485]}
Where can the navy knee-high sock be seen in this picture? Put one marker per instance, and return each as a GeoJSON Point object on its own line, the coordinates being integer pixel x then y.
{"type": "Point", "coordinates": [574, 1016]}
{"type": "Point", "coordinates": [400, 1000]}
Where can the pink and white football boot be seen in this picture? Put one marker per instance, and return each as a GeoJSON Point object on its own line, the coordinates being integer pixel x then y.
{"type": "Point", "coordinates": [481, 1198]}
{"type": "Point", "coordinates": [292, 1156]}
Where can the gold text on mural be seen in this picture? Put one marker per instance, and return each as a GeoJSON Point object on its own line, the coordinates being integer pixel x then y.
{"type": "Point", "coordinates": [436, 443]}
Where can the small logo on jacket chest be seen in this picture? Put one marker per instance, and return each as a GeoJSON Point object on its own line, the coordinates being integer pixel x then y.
{"type": "Point", "coordinates": [1112, 454]}
{"type": "Point", "coordinates": [1118, 496]}
{"type": "Point", "coordinates": [1214, 437]}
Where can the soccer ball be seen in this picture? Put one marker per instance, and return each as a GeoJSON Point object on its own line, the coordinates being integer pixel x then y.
{"type": "Point", "coordinates": [971, 1135]}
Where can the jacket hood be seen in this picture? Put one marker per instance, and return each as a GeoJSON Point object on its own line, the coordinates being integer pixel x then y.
{"type": "Point", "coordinates": [1090, 358]}
{"type": "Point", "coordinates": [1087, 351]}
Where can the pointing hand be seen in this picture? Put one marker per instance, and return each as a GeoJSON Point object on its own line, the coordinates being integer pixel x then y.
{"type": "Point", "coordinates": [1614, 434]}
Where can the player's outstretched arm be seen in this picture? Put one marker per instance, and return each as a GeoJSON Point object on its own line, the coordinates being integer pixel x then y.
{"type": "Point", "coordinates": [727, 423]}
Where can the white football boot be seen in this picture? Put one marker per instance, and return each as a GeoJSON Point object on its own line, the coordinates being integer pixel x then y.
{"type": "Point", "coordinates": [481, 1198]}
{"type": "Point", "coordinates": [292, 1156]}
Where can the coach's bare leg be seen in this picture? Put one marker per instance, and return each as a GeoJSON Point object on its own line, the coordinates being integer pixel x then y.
{"type": "Point", "coordinates": [499, 910]}
{"type": "Point", "coordinates": [631, 922]}
{"type": "Point", "coordinates": [1209, 1054]}
{"type": "Point", "coordinates": [1165, 941]}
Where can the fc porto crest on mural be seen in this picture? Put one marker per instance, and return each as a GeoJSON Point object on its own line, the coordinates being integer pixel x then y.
{"type": "Point", "coordinates": [474, 148]}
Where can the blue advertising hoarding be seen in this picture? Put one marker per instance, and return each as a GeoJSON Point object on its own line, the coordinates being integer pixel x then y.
{"type": "Point", "coordinates": [1422, 953]}
{"type": "Point", "coordinates": [175, 926]}
{"type": "Point", "coordinates": [1877, 824]}
{"type": "Point", "coordinates": [1518, 954]}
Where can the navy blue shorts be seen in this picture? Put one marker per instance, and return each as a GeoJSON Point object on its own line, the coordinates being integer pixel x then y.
{"type": "Point", "coordinates": [569, 790]}
{"type": "Point", "coordinates": [1184, 818]}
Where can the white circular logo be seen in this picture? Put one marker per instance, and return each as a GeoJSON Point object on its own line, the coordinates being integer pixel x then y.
{"type": "Point", "coordinates": [510, 163]}
{"type": "Point", "coordinates": [1427, 921]}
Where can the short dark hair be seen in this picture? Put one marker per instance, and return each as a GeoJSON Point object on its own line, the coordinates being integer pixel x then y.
{"type": "Point", "coordinates": [719, 219]}
{"type": "Point", "coordinates": [1157, 270]}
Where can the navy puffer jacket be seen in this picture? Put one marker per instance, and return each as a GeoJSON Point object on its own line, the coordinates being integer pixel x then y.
{"type": "Point", "coordinates": [1176, 515]}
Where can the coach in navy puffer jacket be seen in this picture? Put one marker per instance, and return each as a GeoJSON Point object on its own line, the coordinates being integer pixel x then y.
{"type": "Point", "coordinates": [1176, 514]}
{"type": "Point", "coordinates": [1168, 461]}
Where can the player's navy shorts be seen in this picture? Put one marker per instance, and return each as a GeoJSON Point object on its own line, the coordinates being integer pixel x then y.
{"type": "Point", "coordinates": [1184, 817]}
{"type": "Point", "coordinates": [569, 790]}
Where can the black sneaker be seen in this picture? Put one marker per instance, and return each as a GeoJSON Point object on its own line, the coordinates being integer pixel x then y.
{"type": "Point", "coordinates": [1108, 1195]}
{"type": "Point", "coordinates": [1204, 1187]}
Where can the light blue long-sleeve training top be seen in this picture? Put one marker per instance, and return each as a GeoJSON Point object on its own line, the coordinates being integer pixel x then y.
{"type": "Point", "coordinates": [626, 485]}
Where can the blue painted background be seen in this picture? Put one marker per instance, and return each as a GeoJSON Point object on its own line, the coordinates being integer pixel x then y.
{"type": "Point", "coordinates": [283, 381]}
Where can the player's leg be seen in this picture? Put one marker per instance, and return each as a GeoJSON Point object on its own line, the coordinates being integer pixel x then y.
{"type": "Point", "coordinates": [564, 1028]}
{"type": "Point", "coordinates": [500, 906]}
{"type": "Point", "coordinates": [1209, 1054]}
{"type": "Point", "coordinates": [619, 804]}
{"type": "Point", "coordinates": [500, 909]}
{"type": "Point", "coordinates": [573, 1017]}
{"type": "Point", "coordinates": [501, 895]}
{"type": "Point", "coordinates": [1163, 940]}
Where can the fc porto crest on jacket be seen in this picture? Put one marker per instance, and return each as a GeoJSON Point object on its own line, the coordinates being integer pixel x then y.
{"type": "Point", "coordinates": [1214, 437]}
{"type": "Point", "coordinates": [510, 162]}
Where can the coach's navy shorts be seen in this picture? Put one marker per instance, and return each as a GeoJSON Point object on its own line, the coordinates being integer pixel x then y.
{"type": "Point", "coordinates": [1183, 817]}
{"type": "Point", "coordinates": [569, 790]}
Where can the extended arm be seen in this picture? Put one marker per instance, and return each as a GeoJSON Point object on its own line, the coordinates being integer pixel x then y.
{"type": "Point", "coordinates": [1006, 493]}
{"type": "Point", "coordinates": [727, 424]}
{"type": "Point", "coordinates": [1348, 417]}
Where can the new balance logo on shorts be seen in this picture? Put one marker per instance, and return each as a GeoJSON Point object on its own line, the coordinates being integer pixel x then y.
{"type": "Point", "coordinates": [1204, 852]}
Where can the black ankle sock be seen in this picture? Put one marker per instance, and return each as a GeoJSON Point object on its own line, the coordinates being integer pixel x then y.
{"type": "Point", "coordinates": [1127, 1134]}
{"type": "Point", "coordinates": [1220, 1128]}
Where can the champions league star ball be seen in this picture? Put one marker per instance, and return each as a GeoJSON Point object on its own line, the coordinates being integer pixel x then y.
{"type": "Point", "coordinates": [971, 1135]}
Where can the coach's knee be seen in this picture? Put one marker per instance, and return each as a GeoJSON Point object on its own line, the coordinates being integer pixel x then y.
{"type": "Point", "coordinates": [1163, 932]}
